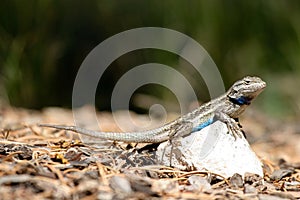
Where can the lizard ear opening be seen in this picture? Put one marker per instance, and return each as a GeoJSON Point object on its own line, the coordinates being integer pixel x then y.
{"type": "Point", "coordinates": [233, 94]}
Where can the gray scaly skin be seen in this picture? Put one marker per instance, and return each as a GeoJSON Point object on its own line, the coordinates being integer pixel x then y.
{"type": "Point", "coordinates": [226, 108]}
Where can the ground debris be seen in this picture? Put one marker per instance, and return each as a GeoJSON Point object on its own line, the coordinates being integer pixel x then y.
{"type": "Point", "coordinates": [45, 164]}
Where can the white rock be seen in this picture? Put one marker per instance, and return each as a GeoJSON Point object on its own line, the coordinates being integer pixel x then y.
{"type": "Point", "coordinates": [211, 149]}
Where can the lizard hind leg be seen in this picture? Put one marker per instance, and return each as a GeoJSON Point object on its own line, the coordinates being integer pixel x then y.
{"type": "Point", "coordinates": [177, 131]}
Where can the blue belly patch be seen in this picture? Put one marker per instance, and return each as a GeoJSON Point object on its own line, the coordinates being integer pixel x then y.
{"type": "Point", "coordinates": [203, 125]}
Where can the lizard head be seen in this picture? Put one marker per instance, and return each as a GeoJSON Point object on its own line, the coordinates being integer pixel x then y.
{"type": "Point", "coordinates": [243, 91]}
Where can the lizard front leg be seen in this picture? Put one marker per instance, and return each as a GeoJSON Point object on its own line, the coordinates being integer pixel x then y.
{"type": "Point", "coordinates": [231, 123]}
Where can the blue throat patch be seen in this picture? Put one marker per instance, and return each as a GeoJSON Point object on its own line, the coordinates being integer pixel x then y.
{"type": "Point", "coordinates": [241, 100]}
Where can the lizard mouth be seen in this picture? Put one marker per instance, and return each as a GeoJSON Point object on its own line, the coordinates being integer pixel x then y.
{"type": "Point", "coordinates": [263, 85]}
{"type": "Point", "coordinates": [258, 88]}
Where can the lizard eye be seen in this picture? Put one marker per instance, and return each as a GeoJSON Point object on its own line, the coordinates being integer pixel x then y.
{"type": "Point", "coordinates": [247, 81]}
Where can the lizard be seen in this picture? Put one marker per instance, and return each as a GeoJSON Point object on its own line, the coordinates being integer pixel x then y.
{"type": "Point", "coordinates": [226, 108]}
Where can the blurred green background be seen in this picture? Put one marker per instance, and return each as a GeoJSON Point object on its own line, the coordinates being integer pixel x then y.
{"type": "Point", "coordinates": [43, 44]}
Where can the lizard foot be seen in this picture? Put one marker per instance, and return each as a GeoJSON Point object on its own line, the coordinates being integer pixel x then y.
{"type": "Point", "coordinates": [234, 128]}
